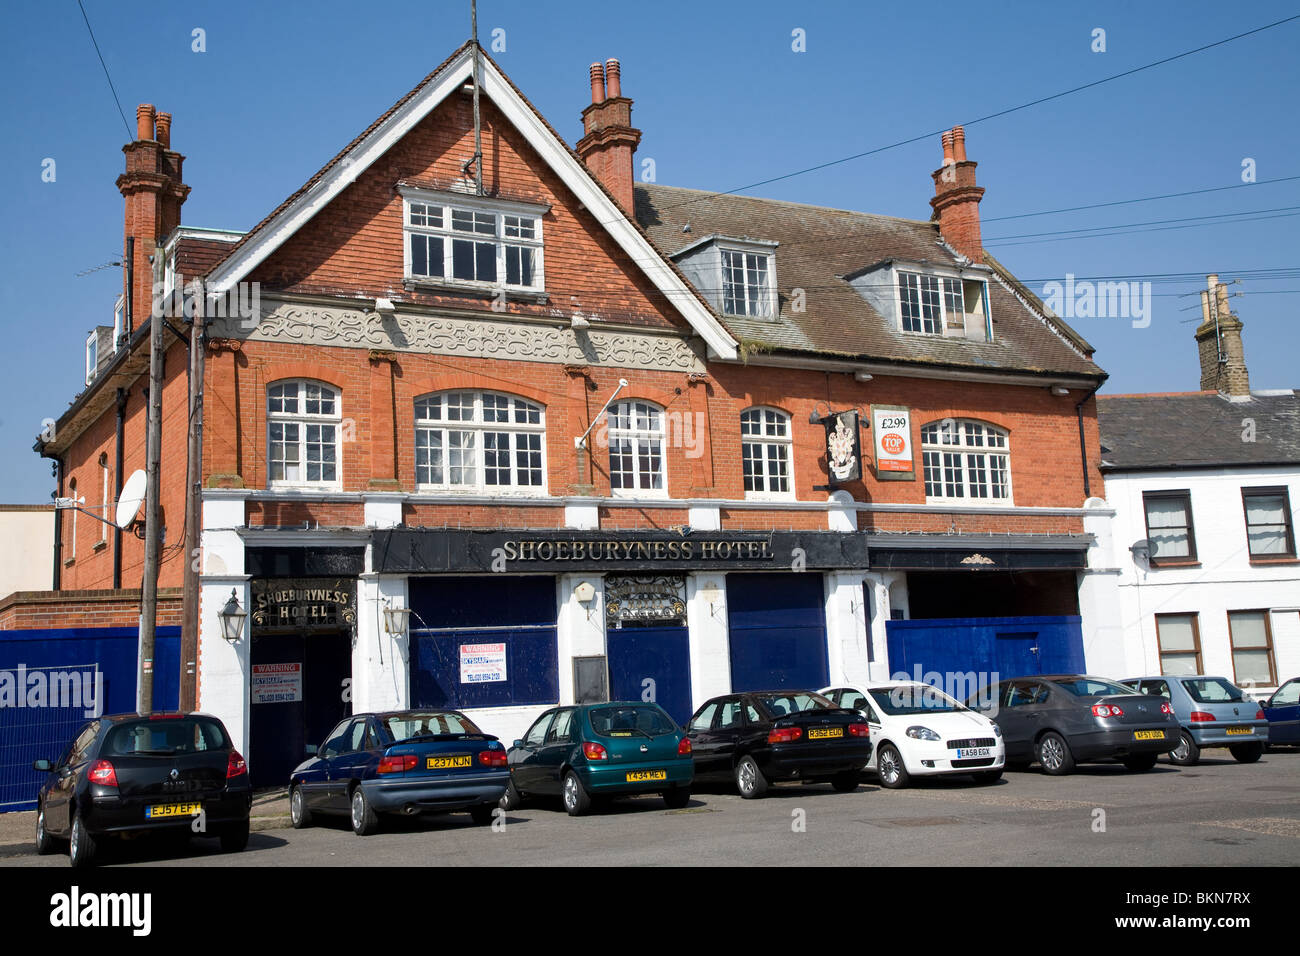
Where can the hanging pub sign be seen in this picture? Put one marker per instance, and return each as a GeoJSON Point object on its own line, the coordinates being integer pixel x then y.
{"type": "Point", "coordinates": [843, 447]}
{"type": "Point", "coordinates": [891, 426]}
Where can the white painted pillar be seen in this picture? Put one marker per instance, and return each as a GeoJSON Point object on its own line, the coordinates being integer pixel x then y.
{"type": "Point", "coordinates": [846, 628]}
{"type": "Point", "coordinates": [224, 668]}
{"type": "Point", "coordinates": [710, 645]}
{"type": "Point", "coordinates": [876, 625]}
{"type": "Point", "coordinates": [1106, 652]}
{"type": "Point", "coordinates": [381, 662]}
{"type": "Point", "coordinates": [580, 627]}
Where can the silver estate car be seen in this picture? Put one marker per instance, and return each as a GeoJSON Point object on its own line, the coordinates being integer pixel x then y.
{"type": "Point", "coordinates": [1212, 712]}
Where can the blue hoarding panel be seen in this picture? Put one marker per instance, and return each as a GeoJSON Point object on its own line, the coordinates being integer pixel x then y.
{"type": "Point", "coordinates": [651, 663]}
{"type": "Point", "coordinates": [777, 630]}
{"type": "Point", "coordinates": [53, 680]}
{"type": "Point", "coordinates": [1006, 646]}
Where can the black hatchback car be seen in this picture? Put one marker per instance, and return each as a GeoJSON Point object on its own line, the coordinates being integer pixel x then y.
{"type": "Point", "coordinates": [762, 737]}
{"type": "Point", "coordinates": [127, 774]}
{"type": "Point", "coordinates": [1063, 719]}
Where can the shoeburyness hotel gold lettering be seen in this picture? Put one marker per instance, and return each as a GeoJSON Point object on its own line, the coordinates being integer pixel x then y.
{"type": "Point", "coordinates": [533, 549]}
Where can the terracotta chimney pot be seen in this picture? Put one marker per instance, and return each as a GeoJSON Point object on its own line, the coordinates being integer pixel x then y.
{"type": "Point", "coordinates": [597, 84]}
{"type": "Point", "coordinates": [144, 115]}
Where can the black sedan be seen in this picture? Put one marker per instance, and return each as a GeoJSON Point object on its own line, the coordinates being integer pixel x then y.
{"type": "Point", "coordinates": [1065, 719]}
{"type": "Point", "coordinates": [762, 737]}
{"type": "Point", "coordinates": [127, 774]}
{"type": "Point", "coordinates": [405, 762]}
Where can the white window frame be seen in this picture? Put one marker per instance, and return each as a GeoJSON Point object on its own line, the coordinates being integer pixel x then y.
{"type": "Point", "coordinates": [944, 322]}
{"type": "Point", "coordinates": [964, 452]}
{"type": "Point", "coordinates": [103, 467]}
{"type": "Point", "coordinates": [767, 297]}
{"type": "Point", "coordinates": [304, 420]}
{"type": "Point", "coordinates": [447, 203]}
{"type": "Point", "coordinates": [479, 426]}
{"type": "Point", "coordinates": [765, 441]}
{"type": "Point", "coordinates": [639, 438]}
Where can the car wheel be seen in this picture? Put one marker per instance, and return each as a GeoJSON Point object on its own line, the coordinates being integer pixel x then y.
{"type": "Point", "coordinates": [364, 819]}
{"type": "Point", "coordinates": [1054, 754]}
{"type": "Point", "coordinates": [1246, 753]}
{"type": "Point", "coordinates": [576, 799]}
{"type": "Point", "coordinates": [512, 799]}
{"type": "Point", "coordinates": [677, 797]}
{"type": "Point", "coordinates": [1186, 754]}
{"type": "Point", "coordinates": [987, 776]}
{"type": "Point", "coordinates": [44, 842]}
{"type": "Point", "coordinates": [481, 813]}
{"type": "Point", "coordinates": [234, 837]}
{"type": "Point", "coordinates": [82, 847]}
{"type": "Point", "coordinates": [749, 779]}
{"type": "Point", "coordinates": [299, 815]}
{"type": "Point", "coordinates": [890, 766]}
{"type": "Point", "coordinates": [1139, 762]}
{"type": "Point", "coordinates": [846, 781]}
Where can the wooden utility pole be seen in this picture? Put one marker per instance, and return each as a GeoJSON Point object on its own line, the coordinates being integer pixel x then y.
{"type": "Point", "coordinates": [152, 530]}
{"type": "Point", "coordinates": [193, 514]}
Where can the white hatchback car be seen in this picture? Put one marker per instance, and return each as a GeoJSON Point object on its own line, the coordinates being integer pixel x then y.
{"type": "Point", "coordinates": [918, 730]}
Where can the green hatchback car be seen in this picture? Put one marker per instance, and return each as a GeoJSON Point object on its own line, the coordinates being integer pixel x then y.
{"type": "Point", "coordinates": [590, 751]}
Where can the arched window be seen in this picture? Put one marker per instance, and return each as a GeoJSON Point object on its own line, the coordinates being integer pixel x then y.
{"type": "Point", "coordinates": [302, 425]}
{"type": "Point", "coordinates": [636, 447]}
{"type": "Point", "coordinates": [965, 460]}
{"type": "Point", "coordinates": [485, 441]}
{"type": "Point", "coordinates": [765, 452]}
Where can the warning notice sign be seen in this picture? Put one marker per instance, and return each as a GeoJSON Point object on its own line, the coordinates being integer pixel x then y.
{"type": "Point", "coordinates": [277, 683]}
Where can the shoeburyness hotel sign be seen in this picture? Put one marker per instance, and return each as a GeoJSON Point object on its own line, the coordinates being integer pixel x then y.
{"type": "Point", "coordinates": [304, 603]}
{"type": "Point", "coordinates": [418, 550]}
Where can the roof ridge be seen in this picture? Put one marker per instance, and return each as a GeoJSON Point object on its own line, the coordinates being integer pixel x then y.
{"type": "Point", "coordinates": [789, 202]}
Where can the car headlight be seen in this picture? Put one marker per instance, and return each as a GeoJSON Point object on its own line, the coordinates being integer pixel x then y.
{"type": "Point", "coordinates": [997, 731]}
{"type": "Point", "coordinates": [922, 733]}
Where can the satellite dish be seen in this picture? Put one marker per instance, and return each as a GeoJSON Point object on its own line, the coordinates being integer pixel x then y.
{"type": "Point", "coordinates": [128, 503]}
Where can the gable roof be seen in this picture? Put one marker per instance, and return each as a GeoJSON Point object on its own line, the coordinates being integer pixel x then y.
{"type": "Point", "coordinates": [819, 247]}
{"type": "Point", "coordinates": [1198, 430]}
{"type": "Point", "coordinates": [341, 171]}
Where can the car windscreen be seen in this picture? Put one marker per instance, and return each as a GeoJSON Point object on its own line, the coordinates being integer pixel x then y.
{"type": "Point", "coordinates": [905, 699]}
{"type": "Point", "coordinates": [1092, 687]}
{"type": "Point", "coordinates": [431, 724]}
{"type": "Point", "coordinates": [629, 720]}
{"type": "Point", "coordinates": [1212, 690]}
{"type": "Point", "coordinates": [164, 737]}
{"type": "Point", "coordinates": [779, 705]}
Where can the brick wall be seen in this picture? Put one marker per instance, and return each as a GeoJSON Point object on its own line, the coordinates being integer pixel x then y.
{"type": "Point", "coordinates": [37, 610]}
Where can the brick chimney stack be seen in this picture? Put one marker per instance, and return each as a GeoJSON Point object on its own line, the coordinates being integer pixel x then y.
{"type": "Point", "coordinates": [154, 189]}
{"type": "Point", "coordinates": [1218, 340]}
{"type": "Point", "coordinates": [956, 201]}
{"type": "Point", "coordinates": [609, 139]}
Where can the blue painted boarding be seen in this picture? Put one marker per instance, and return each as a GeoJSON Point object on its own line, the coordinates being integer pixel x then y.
{"type": "Point", "coordinates": [661, 655]}
{"type": "Point", "coordinates": [1007, 646]}
{"type": "Point", "coordinates": [449, 612]}
{"type": "Point", "coordinates": [34, 662]}
{"type": "Point", "coordinates": [777, 630]}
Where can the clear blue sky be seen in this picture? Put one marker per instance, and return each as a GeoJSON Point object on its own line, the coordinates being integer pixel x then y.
{"type": "Point", "coordinates": [722, 100]}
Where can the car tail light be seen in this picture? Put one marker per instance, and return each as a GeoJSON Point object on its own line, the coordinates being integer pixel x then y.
{"type": "Point", "coordinates": [784, 735]}
{"type": "Point", "coordinates": [103, 774]}
{"type": "Point", "coordinates": [492, 758]}
{"type": "Point", "coordinates": [859, 730]}
{"type": "Point", "coordinates": [1107, 710]}
{"type": "Point", "coordinates": [684, 747]}
{"type": "Point", "coordinates": [1166, 709]}
{"type": "Point", "coordinates": [594, 751]}
{"type": "Point", "coordinates": [236, 765]}
{"type": "Point", "coordinates": [1200, 717]}
{"type": "Point", "coordinates": [396, 763]}
{"type": "Point", "coordinates": [1259, 714]}
{"type": "Point", "coordinates": [165, 716]}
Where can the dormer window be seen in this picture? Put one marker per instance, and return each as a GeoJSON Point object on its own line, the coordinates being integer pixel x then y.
{"type": "Point", "coordinates": [454, 240]}
{"type": "Point", "coordinates": [746, 283]}
{"type": "Point", "coordinates": [950, 306]}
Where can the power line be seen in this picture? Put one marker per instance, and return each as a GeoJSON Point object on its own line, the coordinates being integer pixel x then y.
{"type": "Point", "coordinates": [1125, 202]}
{"type": "Point", "coordinates": [999, 113]}
{"type": "Point", "coordinates": [1123, 232]}
{"type": "Point", "coordinates": [1149, 222]}
{"type": "Point", "coordinates": [106, 76]}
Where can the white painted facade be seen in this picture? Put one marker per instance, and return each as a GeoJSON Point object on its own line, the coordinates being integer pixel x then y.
{"type": "Point", "coordinates": [1224, 578]}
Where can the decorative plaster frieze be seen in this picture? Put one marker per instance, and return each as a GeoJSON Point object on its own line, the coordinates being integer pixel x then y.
{"type": "Point", "coordinates": [309, 324]}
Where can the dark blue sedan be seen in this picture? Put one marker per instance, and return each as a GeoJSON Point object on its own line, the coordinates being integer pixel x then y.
{"type": "Point", "coordinates": [1283, 713]}
{"type": "Point", "coordinates": [405, 762]}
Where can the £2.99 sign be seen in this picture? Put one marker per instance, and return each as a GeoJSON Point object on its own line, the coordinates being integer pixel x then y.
{"type": "Point", "coordinates": [891, 429]}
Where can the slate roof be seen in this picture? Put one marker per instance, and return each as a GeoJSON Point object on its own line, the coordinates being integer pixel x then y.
{"type": "Point", "coordinates": [1197, 430]}
{"type": "Point", "coordinates": [819, 246]}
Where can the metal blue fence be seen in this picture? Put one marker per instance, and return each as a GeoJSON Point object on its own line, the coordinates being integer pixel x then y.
{"type": "Point", "coordinates": [53, 681]}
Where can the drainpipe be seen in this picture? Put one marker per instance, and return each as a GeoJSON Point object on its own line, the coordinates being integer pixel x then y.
{"type": "Point", "coordinates": [117, 482]}
{"type": "Point", "coordinates": [1083, 445]}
